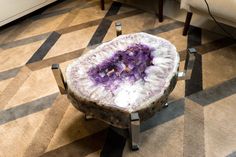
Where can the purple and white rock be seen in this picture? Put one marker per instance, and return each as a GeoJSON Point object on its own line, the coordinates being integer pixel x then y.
{"type": "Point", "coordinates": [126, 74]}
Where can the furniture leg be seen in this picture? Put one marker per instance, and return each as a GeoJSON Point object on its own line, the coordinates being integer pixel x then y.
{"type": "Point", "coordinates": [160, 10]}
{"type": "Point", "coordinates": [187, 23]}
{"type": "Point", "coordinates": [102, 4]}
{"type": "Point", "coordinates": [118, 28]}
{"type": "Point", "coordinates": [88, 117]}
{"type": "Point", "coordinates": [166, 105]}
{"type": "Point", "coordinates": [135, 131]}
{"type": "Point", "coordinates": [59, 78]}
{"type": "Point", "coordinates": [188, 66]}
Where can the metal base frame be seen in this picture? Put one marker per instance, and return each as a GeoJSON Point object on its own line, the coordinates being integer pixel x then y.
{"type": "Point", "coordinates": [134, 131]}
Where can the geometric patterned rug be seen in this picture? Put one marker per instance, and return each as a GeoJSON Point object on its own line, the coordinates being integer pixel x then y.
{"type": "Point", "coordinates": [35, 120]}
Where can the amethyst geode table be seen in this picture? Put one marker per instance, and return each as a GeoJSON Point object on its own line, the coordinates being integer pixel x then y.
{"type": "Point", "coordinates": [132, 73]}
{"type": "Point", "coordinates": [125, 81]}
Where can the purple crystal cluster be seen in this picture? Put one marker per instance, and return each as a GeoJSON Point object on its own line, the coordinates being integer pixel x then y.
{"type": "Point", "coordinates": [130, 63]}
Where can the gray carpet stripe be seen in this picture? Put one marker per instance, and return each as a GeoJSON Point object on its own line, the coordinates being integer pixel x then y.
{"type": "Point", "coordinates": [51, 14]}
{"type": "Point", "coordinates": [74, 54]}
{"type": "Point", "coordinates": [8, 43]}
{"type": "Point", "coordinates": [215, 45]}
{"type": "Point", "coordinates": [82, 5]}
{"type": "Point", "coordinates": [48, 127]}
{"type": "Point", "coordinates": [81, 147]}
{"type": "Point", "coordinates": [193, 115]}
{"type": "Point", "coordinates": [165, 28]}
{"type": "Point", "coordinates": [6, 30]}
{"type": "Point", "coordinates": [25, 109]}
{"type": "Point", "coordinates": [70, 29]}
{"type": "Point", "coordinates": [124, 15]}
{"type": "Point", "coordinates": [174, 110]}
{"type": "Point", "coordinates": [58, 59]}
{"type": "Point", "coordinates": [77, 53]}
{"type": "Point", "coordinates": [17, 31]}
{"type": "Point", "coordinates": [4, 75]}
{"type": "Point", "coordinates": [68, 19]}
{"type": "Point", "coordinates": [79, 26]}
{"type": "Point", "coordinates": [44, 48]}
{"type": "Point", "coordinates": [97, 21]}
{"type": "Point", "coordinates": [233, 154]}
{"type": "Point", "coordinates": [216, 93]}
{"type": "Point", "coordinates": [114, 144]}
{"type": "Point", "coordinates": [194, 140]}
{"type": "Point", "coordinates": [24, 41]}
{"type": "Point", "coordinates": [100, 33]}
{"type": "Point", "coordinates": [194, 84]}
{"type": "Point", "coordinates": [211, 46]}
{"type": "Point", "coordinates": [14, 86]}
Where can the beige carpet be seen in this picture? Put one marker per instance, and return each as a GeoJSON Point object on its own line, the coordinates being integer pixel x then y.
{"type": "Point", "coordinates": [35, 120]}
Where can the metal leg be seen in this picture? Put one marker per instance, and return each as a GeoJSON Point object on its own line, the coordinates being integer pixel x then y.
{"type": "Point", "coordinates": [135, 131]}
{"type": "Point", "coordinates": [59, 78]}
{"type": "Point", "coordinates": [189, 63]}
{"type": "Point", "coordinates": [160, 10]}
{"type": "Point", "coordinates": [187, 23]}
{"type": "Point", "coordinates": [166, 105]}
{"type": "Point", "coordinates": [88, 117]}
{"type": "Point", "coordinates": [102, 3]}
{"type": "Point", "coordinates": [118, 28]}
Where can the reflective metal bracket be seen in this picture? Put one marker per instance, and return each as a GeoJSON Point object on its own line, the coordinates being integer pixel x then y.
{"type": "Point", "coordinates": [189, 64]}
{"type": "Point", "coordinates": [88, 117]}
{"type": "Point", "coordinates": [59, 78]}
{"type": "Point", "coordinates": [118, 28]}
{"type": "Point", "coordinates": [134, 131]}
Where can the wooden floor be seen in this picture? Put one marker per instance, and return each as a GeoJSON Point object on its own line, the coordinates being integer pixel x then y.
{"type": "Point", "coordinates": [35, 120]}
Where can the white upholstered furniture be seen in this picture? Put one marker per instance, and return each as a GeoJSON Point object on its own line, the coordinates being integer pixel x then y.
{"type": "Point", "coordinates": [13, 9]}
{"type": "Point", "coordinates": [223, 10]}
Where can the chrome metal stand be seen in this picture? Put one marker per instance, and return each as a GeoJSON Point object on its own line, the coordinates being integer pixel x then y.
{"type": "Point", "coordinates": [189, 63]}
{"type": "Point", "coordinates": [118, 28]}
{"type": "Point", "coordinates": [59, 78]}
{"type": "Point", "coordinates": [134, 131]}
{"type": "Point", "coordinates": [88, 117]}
